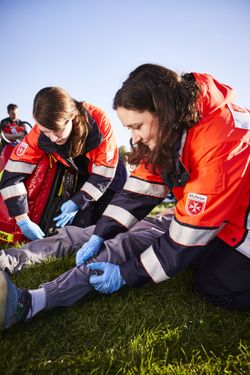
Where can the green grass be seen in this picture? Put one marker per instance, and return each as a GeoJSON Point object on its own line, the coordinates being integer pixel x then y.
{"type": "Point", "coordinates": [157, 329]}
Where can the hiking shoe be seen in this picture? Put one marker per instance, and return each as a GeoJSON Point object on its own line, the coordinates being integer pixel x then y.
{"type": "Point", "coordinates": [15, 303]}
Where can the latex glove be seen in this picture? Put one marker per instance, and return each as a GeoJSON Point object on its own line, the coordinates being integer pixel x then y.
{"type": "Point", "coordinates": [69, 210]}
{"type": "Point", "coordinates": [110, 281]}
{"type": "Point", "coordinates": [89, 249]}
{"type": "Point", "coordinates": [30, 229]}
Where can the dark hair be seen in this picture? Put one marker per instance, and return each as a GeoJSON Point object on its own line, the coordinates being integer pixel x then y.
{"type": "Point", "coordinates": [53, 106]}
{"type": "Point", "coordinates": [11, 107]}
{"type": "Point", "coordinates": [172, 97]}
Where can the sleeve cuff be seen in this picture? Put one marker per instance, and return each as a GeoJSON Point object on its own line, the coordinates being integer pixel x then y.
{"type": "Point", "coordinates": [17, 207]}
{"type": "Point", "coordinates": [82, 199]}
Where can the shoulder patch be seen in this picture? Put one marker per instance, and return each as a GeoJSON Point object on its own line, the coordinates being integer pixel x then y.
{"type": "Point", "coordinates": [195, 204]}
{"type": "Point", "coordinates": [21, 148]}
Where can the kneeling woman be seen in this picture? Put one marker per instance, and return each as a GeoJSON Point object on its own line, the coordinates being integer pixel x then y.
{"type": "Point", "coordinates": [79, 136]}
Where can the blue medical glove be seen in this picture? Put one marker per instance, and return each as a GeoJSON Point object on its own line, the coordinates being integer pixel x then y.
{"type": "Point", "coordinates": [110, 281]}
{"type": "Point", "coordinates": [89, 249]}
{"type": "Point", "coordinates": [69, 210]}
{"type": "Point", "coordinates": [30, 229]}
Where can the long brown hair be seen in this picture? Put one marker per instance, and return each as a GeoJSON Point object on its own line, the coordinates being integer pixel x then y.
{"type": "Point", "coordinates": [172, 98]}
{"type": "Point", "coordinates": [53, 106]}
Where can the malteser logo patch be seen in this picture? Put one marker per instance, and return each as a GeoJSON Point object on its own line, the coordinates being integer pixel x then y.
{"type": "Point", "coordinates": [21, 149]}
{"type": "Point", "coordinates": [195, 203]}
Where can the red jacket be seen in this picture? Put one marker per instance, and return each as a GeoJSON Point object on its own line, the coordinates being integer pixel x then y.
{"type": "Point", "coordinates": [99, 163]}
{"type": "Point", "coordinates": [12, 127]}
{"type": "Point", "coordinates": [212, 189]}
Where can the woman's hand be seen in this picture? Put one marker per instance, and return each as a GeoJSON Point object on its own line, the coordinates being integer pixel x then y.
{"type": "Point", "coordinates": [69, 209]}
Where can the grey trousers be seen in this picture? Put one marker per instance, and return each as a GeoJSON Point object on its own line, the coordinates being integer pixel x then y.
{"type": "Point", "coordinates": [71, 286]}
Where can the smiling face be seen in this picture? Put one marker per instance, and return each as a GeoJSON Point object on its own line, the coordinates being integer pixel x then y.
{"type": "Point", "coordinates": [144, 126]}
{"type": "Point", "coordinates": [60, 136]}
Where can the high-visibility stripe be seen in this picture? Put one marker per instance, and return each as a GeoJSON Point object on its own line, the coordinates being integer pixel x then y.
{"type": "Point", "coordinates": [121, 215]}
{"type": "Point", "coordinates": [101, 170]}
{"type": "Point", "coordinates": [146, 188]}
{"type": "Point", "coordinates": [190, 236]}
{"type": "Point", "coordinates": [241, 117]}
{"type": "Point", "coordinates": [153, 266]}
{"type": "Point", "coordinates": [92, 190]}
{"type": "Point", "coordinates": [19, 167]}
{"type": "Point", "coordinates": [13, 191]}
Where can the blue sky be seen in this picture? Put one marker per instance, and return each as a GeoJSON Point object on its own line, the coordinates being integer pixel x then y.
{"type": "Point", "coordinates": [89, 47]}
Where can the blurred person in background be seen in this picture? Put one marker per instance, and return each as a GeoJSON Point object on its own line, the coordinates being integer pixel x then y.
{"type": "Point", "coordinates": [12, 128]}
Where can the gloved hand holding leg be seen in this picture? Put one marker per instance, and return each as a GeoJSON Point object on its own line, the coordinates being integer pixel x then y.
{"type": "Point", "coordinates": [89, 249]}
{"type": "Point", "coordinates": [110, 281]}
{"type": "Point", "coordinates": [69, 209]}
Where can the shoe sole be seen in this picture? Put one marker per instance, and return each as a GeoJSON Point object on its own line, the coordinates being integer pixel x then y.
{"type": "Point", "coordinates": [3, 299]}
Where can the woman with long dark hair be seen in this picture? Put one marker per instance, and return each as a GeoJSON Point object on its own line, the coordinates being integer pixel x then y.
{"type": "Point", "coordinates": [188, 137]}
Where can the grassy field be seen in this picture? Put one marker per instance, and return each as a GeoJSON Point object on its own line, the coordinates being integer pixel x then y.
{"type": "Point", "coordinates": [157, 329]}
